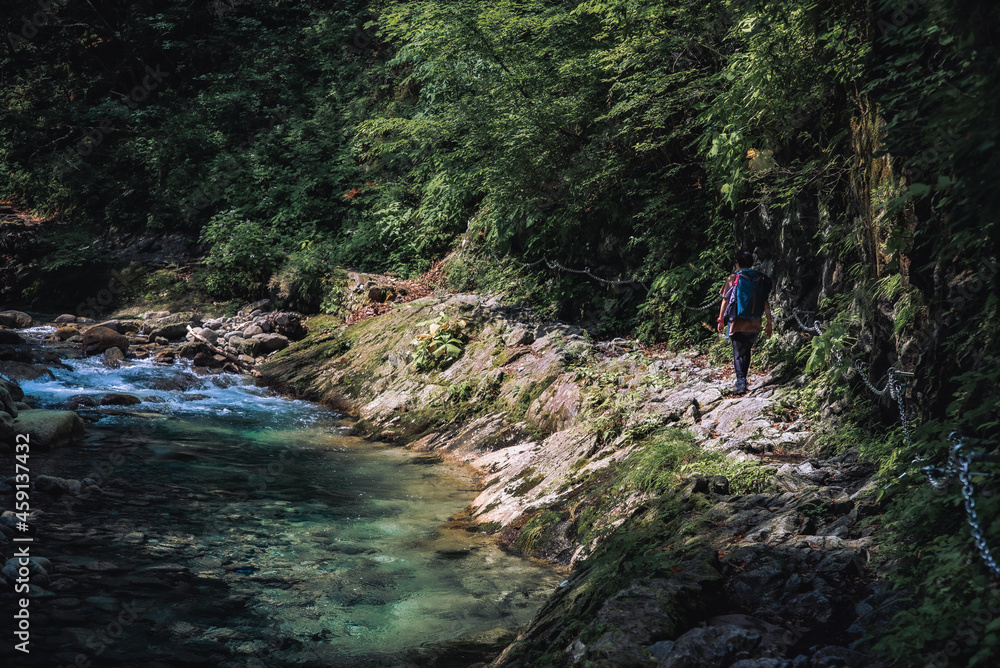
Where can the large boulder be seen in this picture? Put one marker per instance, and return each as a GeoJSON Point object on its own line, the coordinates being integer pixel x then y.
{"type": "Point", "coordinates": [171, 327]}
{"type": "Point", "coordinates": [122, 326]}
{"type": "Point", "coordinates": [98, 339]}
{"type": "Point", "coordinates": [13, 388]}
{"type": "Point", "coordinates": [15, 319]}
{"type": "Point", "coordinates": [48, 430]}
{"type": "Point", "coordinates": [120, 399]}
{"type": "Point", "coordinates": [24, 370]}
{"type": "Point", "coordinates": [65, 333]}
{"type": "Point", "coordinates": [8, 434]}
{"type": "Point", "coordinates": [269, 343]}
{"type": "Point", "coordinates": [10, 338]}
{"type": "Point", "coordinates": [8, 403]}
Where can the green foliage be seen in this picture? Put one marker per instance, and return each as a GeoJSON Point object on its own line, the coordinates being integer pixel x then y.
{"type": "Point", "coordinates": [440, 345]}
{"type": "Point", "coordinates": [655, 468]}
{"type": "Point", "coordinates": [244, 253]}
{"type": "Point", "coordinates": [307, 281]}
{"type": "Point", "coordinates": [853, 142]}
{"type": "Point", "coordinates": [745, 477]}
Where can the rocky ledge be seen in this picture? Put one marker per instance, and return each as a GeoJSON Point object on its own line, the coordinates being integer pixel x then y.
{"type": "Point", "coordinates": [702, 529]}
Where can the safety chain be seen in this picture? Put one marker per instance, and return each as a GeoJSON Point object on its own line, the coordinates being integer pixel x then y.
{"type": "Point", "coordinates": [895, 383]}
{"type": "Point", "coordinates": [704, 306]}
{"type": "Point", "coordinates": [958, 462]}
{"type": "Point", "coordinates": [815, 326]}
{"type": "Point", "coordinates": [557, 265]}
{"type": "Point", "coordinates": [552, 264]}
{"type": "Point", "coordinates": [958, 466]}
{"type": "Point", "coordinates": [859, 366]}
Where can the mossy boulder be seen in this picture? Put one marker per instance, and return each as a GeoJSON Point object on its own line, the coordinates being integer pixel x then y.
{"type": "Point", "coordinates": [48, 430]}
{"type": "Point", "coordinates": [15, 319]}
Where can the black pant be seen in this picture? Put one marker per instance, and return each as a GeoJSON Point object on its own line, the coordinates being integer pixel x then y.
{"type": "Point", "coordinates": [742, 343]}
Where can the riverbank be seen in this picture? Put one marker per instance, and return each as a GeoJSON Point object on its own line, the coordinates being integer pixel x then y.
{"type": "Point", "coordinates": [226, 525]}
{"type": "Point", "coordinates": [692, 520]}
{"type": "Point", "coordinates": [703, 528]}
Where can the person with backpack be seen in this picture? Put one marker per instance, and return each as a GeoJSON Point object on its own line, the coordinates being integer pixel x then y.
{"type": "Point", "coordinates": [744, 302]}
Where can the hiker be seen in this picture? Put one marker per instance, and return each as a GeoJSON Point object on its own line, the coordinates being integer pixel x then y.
{"type": "Point", "coordinates": [744, 301]}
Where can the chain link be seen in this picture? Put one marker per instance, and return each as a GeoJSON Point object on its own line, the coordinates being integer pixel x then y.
{"type": "Point", "coordinates": [815, 326]}
{"type": "Point", "coordinates": [970, 509]}
{"type": "Point", "coordinates": [859, 367]}
{"type": "Point", "coordinates": [958, 466]}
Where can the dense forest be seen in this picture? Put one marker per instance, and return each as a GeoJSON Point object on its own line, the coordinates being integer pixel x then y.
{"type": "Point", "coordinates": [597, 161]}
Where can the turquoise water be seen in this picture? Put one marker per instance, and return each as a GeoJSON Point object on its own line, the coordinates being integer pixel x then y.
{"type": "Point", "coordinates": [253, 530]}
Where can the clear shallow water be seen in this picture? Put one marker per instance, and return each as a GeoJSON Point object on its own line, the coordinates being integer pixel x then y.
{"type": "Point", "coordinates": [252, 531]}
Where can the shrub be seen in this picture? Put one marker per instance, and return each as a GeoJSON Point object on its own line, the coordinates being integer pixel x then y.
{"type": "Point", "coordinates": [244, 253]}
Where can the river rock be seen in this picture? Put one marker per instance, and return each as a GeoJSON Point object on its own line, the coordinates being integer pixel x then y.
{"type": "Point", "coordinates": [16, 393]}
{"type": "Point", "coordinates": [8, 434]}
{"type": "Point", "coordinates": [171, 327]}
{"type": "Point", "coordinates": [80, 401]}
{"type": "Point", "coordinates": [37, 574]}
{"type": "Point", "coordinates": [98, 339]}
{"type": "Point", "coordinates": [115, 325]}
{"type": "Point", "coordinates": [64, 333]}
{"type": "Point", "coordinates": [10, 338]}
{"type": "Point", "coordinates": [8, 403]}
{"type": "Point", "coordinates": [169, 332]}
{"type": "Point", "coordinates": [715, 646]}
{"type": "Point", "coordinates": [15, 319]}
{"type": "Point", "coordinates": [191, 350]}
{"type": "Point", "coordinates": [64, 319]}
{"type": "Point", "coordinates": [112, 358]}
{"type": "Point", "coordinates": [289, 323]}
{"type": "Point", "coordinates": [260, 306]}
{"type": "Point", "coordinates": [270, 343]}
{"type": "Point", "coordinates": [15, 354]}
{"type": "Point", "coordinates": [208, 360]}
{"type": "Point", "coordinates": [24, 370]}
{"type": "Point", "coordinates": [209, 335]}
{"type": "Point", "coordinates": [165, 357]}
{"type": "Point", "coordinates": [50, 429]}
{"type": "Point", "coordinates": [57, 486]}
{"type": "Point", "coordinates": [120, 399]}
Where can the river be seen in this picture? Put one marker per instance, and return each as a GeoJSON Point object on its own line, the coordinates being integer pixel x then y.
{"type": "Point", "coordinates": [238, 528]}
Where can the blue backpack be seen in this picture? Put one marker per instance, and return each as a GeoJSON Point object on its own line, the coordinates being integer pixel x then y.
{"type": "Point", "coordinates": [748, 295]}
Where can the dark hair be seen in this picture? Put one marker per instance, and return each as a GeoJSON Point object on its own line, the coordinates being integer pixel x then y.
{"type": "Point", "coordinates": [744, 258]}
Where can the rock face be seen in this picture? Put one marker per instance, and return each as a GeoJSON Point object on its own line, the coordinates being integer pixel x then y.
{"type": "Point", "coordinates": [98, 339]}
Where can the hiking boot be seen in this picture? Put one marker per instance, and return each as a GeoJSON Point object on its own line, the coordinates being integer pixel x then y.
{"type": "Point", "coordinates": [741, 386]}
